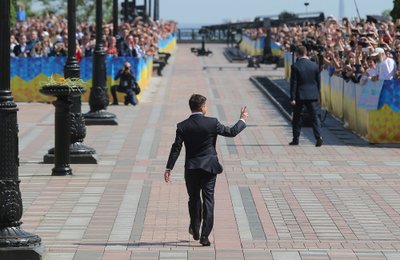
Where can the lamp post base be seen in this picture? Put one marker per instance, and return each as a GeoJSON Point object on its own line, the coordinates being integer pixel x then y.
{"type": "Point", "coordinates": [16, 244]}
{"type": "Point", "coordinates": [61, 171]}
{"type": "Point", "coordinates": [26, 253]}
{"type": "Point", "coordinates": [79, 154]}
{"type": "Point", "coordinates": [101, 117]}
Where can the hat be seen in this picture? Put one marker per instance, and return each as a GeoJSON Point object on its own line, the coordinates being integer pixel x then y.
{"type": "Point", "coordinates": [378, 51]}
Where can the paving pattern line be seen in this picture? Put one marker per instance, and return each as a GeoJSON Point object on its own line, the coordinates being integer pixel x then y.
{"type": "Point", "coordinates": [240, 214]}
{"type": "Point", "coordinates": [125, 219]}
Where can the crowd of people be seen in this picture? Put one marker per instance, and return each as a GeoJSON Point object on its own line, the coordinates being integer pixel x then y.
{"type": "Point", "coordinates": [357, 50]}
{"type": "Point", "coordinates": [48, 36]}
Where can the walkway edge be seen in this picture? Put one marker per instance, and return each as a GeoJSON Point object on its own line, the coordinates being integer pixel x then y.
{"type": "Point", "coordinates": [287, 116]}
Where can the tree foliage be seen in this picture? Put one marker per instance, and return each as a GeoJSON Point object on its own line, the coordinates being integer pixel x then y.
{"type": "Point", "coordinates": [285, 15]}
{"type": "Point", "coordinates": [386, 13]}
{"type": "Point", "coordinates": [395, 13]}
{"type": "Point", "coordinates": [13, 14]}
{"type": "Point", "coordinates": [85, 8]}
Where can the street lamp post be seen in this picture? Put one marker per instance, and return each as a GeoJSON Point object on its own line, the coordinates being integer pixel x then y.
{"type": "Point", "coordinates": [15, 243]}
{"type": "Point", "coordinates": [79, 152]}
{"type": "Point", "coordinates": [157, 17]}
{"type": "Point", "coordinates": [126, 11]}
{"type": "Point", "coordinates": [150, 7]}
{"type": "Point", "coordinates": [115, 18]}
{"type": "Point", "coordinates": [98, 100]}
{"type": "Point", "coordinates": [306, 4]}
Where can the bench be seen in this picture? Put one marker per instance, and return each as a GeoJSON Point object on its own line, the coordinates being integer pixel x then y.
{"type": "Point", "coordinates": [156, 69]}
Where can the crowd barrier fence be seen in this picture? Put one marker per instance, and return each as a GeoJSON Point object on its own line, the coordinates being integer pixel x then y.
{"type": "Point", "coordinates": [29, 74]}
{"type": "Point", "coordinates": [256, 47]}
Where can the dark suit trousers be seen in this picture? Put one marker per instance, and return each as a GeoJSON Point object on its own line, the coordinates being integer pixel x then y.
{"type": "Point", "coordinates": [312, 108]}
{"type": "Point", "coordinates": [201, 181]}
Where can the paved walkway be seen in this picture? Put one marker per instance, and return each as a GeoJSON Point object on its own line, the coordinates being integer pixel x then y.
{"type": "Point", "coordinates": [272, 202]}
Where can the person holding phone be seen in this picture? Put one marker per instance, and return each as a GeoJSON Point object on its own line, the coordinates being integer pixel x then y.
{"type": "Point", "coordinates": [386, 66]}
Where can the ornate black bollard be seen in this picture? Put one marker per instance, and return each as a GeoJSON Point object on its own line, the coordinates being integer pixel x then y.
{"type": "Point", "coordinates": [79, 152]}
{"type": "Point", "coordinates": [62, 124]}
{"type": "Point", "coordinates": [15, 243]}
{"type": "Point", "coordinates": [98, 100]}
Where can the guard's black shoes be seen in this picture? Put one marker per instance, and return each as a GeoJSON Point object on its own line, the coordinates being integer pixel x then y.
{"type": "Point", "coordinates": [319, 142]}
{"type": "Point", "coordinates": [196, 235]}
{"type": "Point", "coordinates": [204, 241]}
{"type": "Point", "coordinates": [294, 142]}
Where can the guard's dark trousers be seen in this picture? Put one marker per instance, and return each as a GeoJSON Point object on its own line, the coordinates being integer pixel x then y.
{"type": "Point", "coordinates": [312, 108]}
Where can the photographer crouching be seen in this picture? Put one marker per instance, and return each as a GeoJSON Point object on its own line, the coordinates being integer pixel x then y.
{"type": "Point", "coordinates": [127, 85]}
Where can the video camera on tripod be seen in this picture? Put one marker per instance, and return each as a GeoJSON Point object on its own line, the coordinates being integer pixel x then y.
{"type": "Point", "coordinates": [202, 51]}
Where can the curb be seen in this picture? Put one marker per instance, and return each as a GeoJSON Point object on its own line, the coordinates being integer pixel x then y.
{"type": "Point", "coordinates": [287, 116]}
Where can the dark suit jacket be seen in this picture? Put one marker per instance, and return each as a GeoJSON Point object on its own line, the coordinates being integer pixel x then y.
{"type": "Point", "coordinates": [305, 81]}
{"type": "Point", "coordinates": [17, 50]}
{"type": "Point", "coordinates": [125, 51]}
{"type": "Point", "coordinates": [199, 134]}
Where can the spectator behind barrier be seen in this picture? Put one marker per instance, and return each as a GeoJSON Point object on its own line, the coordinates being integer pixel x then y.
{"type": "Point", "coordinates": [47, 36]}
{"type": "Point", "coordinates": [348, 49]}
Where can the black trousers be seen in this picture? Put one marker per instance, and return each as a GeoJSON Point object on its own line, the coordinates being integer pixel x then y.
{"type": "Point", "coordinates": [199, 181]}
{"type": "Point", "coordinates": [130, 95]}
{"type": "Point", "coordinates": [312, 108]}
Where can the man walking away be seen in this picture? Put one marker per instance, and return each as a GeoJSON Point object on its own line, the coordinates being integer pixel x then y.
{"type": "Point", "coordinates": [199, 134]}
{"type": "Point", "coordinates": [305, 85]}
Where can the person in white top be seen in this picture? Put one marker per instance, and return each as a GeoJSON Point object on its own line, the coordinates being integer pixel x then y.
{"type": "Point", "coordinates": [386, 67]}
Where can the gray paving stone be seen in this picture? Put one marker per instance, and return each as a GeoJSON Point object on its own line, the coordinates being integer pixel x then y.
{"type": "Point", "coordinates": [281, 255]}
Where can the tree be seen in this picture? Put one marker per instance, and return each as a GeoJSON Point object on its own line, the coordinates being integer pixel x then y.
{"type": "Point", "coordinates": [285, 15]}
{"type": "Point", "coordinates": [395, 13]}
{"type": "Point", "coordinates": [85, 9]}
{"type": "Point", "coordinates": [13, 14]}
{"type": "Point", "coordinates": [386, 13]}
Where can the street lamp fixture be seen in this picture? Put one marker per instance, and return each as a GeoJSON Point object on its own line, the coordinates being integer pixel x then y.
{"type": "Point", "coordinates": [306, 4]}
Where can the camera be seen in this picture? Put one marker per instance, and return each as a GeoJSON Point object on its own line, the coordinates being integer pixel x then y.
{"type": "Point", "coordinates": [293, 48]}
{"type": "Point", "coordinates": [318, 48]}
{"type": "Point", "coordinates": [364, 44]}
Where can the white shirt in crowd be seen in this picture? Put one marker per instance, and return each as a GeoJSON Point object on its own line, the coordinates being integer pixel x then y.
{"type": "Point", "coordinates": [386, 69]}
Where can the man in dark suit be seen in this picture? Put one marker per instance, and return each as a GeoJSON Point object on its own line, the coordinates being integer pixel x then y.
{"type": "Point", "coordinates": [199, 134]}
{"type": "Point", "coordinates": [305, 85]}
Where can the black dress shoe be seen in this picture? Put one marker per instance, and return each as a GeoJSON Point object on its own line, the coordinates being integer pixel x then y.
{"type": "Point", "coordinates": [294, 142]}
{"type": "Point", "coordinates": [196, 235]}
{"type": "Point", "coordinates": [114, 104]}
{"type": "Point", "coordinates": [319, 142]}
{"type": "Point", "coordinates": [204, 241]}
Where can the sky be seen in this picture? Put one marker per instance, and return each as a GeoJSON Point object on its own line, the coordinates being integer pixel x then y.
{"type": "Point", "coordinates": [205, 12]}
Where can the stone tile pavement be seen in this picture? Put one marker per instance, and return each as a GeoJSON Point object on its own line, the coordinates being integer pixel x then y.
{"type": "Point", "coordinates": [273, 201]}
